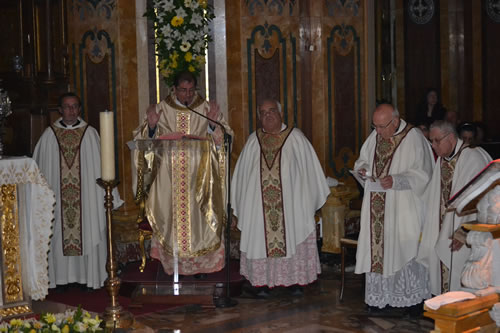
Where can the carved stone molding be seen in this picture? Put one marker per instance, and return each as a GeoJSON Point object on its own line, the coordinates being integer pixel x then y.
{"type": "Point", "coordinates": [421, 11]}
{"type": "Point", "coordinates": [342, 8]}
{"type": "Point", "coordinates": [270, 7]}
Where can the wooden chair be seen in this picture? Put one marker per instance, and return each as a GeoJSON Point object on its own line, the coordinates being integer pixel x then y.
{"type": "Point", "coordinates": [344, 244]}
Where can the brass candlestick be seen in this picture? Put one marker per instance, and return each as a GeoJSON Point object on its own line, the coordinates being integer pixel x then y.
{"type": "Point", "coordinates": [114, 315]}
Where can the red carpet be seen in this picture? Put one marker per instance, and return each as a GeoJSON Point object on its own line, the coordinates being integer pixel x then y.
{"type": "Point", "coordinates": [98, 300]}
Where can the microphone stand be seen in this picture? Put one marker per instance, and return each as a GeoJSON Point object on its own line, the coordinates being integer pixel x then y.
{"type": "Point", "coordinates": [224, 301]}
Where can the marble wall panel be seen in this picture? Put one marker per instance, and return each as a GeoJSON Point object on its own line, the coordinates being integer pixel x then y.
{"type": "Point", "coordinates": [299, 31]}
{"type": "Point", "coordinates": [102, 38]}
{"type": "Point", "coordinates": [491, 70]}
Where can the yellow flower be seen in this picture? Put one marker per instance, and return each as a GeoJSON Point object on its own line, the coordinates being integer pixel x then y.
{"type": "Point", "coordinates": [32, 331]}
{"type": "Point", "coordinates": [65, 329]}
{"type": "Point", "coordinates": [173, 64]}
{"type": "Point", "coordinates": [200, 59]}
{"type": "Point", "coordinates": [188, 56]}
{"type": "Point", "coordinates": [37, 325]}
{"type": "Point", "coordinates": [203, 3]}
{"type": "Point", "coordinates": [50, 318]}
{"type": "Point", "coordinates": [174, 56]}
{"type": "Point", "coordinates": [165, 72]}
{"type": "Point", "coordinates": [191, 68]}
{"type": "Point", "coordinates": [177, 21]}
{"type": "Point", "coordinates": [16, 322]}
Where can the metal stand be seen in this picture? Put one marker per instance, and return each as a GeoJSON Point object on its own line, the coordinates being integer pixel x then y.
{"type": "Point", "coordinates": [114, 316]}
{"type": "Point", "coordinates": [225, 301]}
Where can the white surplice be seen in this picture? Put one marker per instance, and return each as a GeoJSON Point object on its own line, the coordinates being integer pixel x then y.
{"type": "Point", "coordinates": [435, 244]}
{"type": "Point", "coordinates": [304, 190]}
{"type": "Point", "coordinates": [411, 169]}
{"type": "Point", "coordinates": [90, 268]}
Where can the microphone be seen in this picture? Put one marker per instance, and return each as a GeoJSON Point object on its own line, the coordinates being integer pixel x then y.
{"type": "Point", "coordinates": [211, 120]}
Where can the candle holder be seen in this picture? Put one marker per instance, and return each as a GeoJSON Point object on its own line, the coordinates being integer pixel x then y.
{"type": "Point", "coordinates": [114, 316]}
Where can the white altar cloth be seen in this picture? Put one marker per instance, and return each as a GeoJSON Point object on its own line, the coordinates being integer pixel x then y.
{"type": "Point", "coordinates": [36, 204]}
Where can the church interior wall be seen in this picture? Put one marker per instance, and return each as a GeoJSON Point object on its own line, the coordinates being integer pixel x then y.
{"type": "Point", "coordinates": [319, 58]}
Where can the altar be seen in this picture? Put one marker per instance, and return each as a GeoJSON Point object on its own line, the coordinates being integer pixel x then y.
{"type": "Point", "coordinates": [26, 217]}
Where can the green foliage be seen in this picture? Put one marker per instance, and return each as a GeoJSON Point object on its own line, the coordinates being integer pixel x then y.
{"type": "Point", "coordinates": [182, 35]}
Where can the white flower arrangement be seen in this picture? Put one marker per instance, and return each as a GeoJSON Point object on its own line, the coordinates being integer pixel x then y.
{"type": "Point", "coordinates": [67, 322]}
{"type": "Point", "coordinates": [181, 35]}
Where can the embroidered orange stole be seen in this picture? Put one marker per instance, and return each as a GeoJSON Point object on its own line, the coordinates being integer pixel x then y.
{"type": "Point", "coordinates": [384, 153]}
{"type": "Point", "coordinates": [181, 178]}
{"type": "Point", "coordinates": [272, 191]}
{"type": "Point", "coordinates": [69, 141]}
{"type": "Point", "coordinates": [447, 171]}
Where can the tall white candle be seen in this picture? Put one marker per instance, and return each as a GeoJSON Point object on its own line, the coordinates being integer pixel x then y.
{"type": "Point", "coordinates": [107, 146]}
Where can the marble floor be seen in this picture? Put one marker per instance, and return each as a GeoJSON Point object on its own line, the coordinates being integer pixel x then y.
{"type": "Point", "coordinates": [317, 310]}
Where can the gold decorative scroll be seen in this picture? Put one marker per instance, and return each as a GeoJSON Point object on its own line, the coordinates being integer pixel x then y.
{"type": "Point", "coordinates": [11, 256]}
{"type": "Point", "coordinates": [14, 311]}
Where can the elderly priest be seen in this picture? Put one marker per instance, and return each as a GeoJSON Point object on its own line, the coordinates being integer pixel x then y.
{"type": "Point", "coordinates": [442, 234]}
{"type": "Point", "coordinates": [277, 187]}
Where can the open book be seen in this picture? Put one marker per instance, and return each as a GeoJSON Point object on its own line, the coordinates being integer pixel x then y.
{"type": "Point", "coordinates": [466, 199]}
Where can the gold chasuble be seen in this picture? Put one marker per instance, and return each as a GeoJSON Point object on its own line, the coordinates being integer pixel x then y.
{"type": "Point", "coordinates": [185, 205]}
{"type": "Point", "coordinates": [384, 152]}
{"type": "Point", "coordinates": [69, 141]}
{"type": "Point", "coordinates": [272, 191]}
{"type": "Point", "coordinates": [447, 171]}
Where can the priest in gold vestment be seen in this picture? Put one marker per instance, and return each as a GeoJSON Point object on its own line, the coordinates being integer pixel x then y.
{"type": "Point", "coordinates": [186, 200]}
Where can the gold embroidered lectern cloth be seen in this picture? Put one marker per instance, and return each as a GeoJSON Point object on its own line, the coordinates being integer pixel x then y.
{"type": "Point", "coordinates": [27, 210]}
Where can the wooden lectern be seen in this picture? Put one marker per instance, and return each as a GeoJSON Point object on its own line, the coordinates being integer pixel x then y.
{"type": "Point", "coordinates": [470, 315]}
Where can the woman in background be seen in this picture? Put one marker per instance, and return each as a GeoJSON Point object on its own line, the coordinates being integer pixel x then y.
{"type": "Point", "coordinates": [430, 109]}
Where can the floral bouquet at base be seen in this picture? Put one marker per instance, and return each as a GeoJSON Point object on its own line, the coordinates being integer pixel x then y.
{"type": "Point", "coordinates": [181, 35]}
{"type": "Point", "coordinates": [67, 322]}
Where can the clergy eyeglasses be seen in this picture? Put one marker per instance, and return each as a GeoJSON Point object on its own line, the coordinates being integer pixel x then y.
{"type": "Point", "coordinates": [381, 127]}
{"type": "Point", "coordinates": [438, 141]}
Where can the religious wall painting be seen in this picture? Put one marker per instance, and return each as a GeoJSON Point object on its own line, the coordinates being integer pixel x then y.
{"type": "Point", "coordinates": [88, 9]}
{"type": "Point", "coordinates": [271, 7]}
{"type": "Point", "coordinates": [270, 57]}
{"type": "Point", "coordinates": [344, 99]}
{"type": "Point", "coordinates": [342, 8]}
